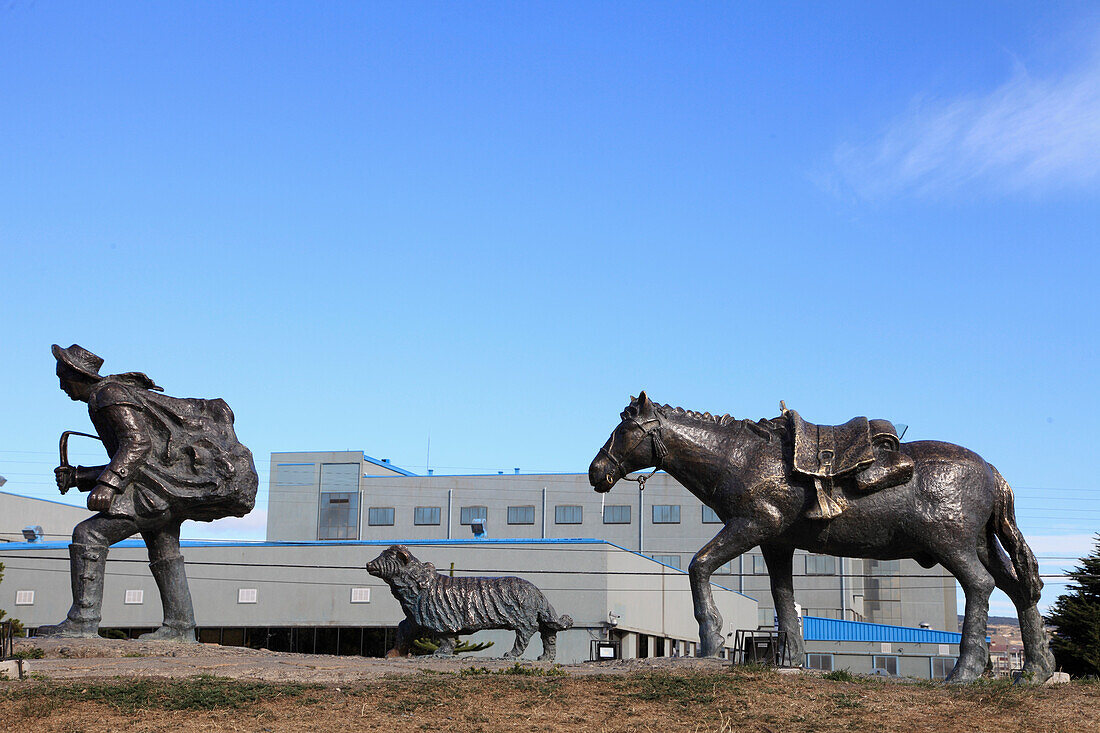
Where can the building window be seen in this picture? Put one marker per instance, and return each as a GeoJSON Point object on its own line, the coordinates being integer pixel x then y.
{"type": "Point", "coordinates": [24, 597]}
{"type": "Point", "coordinates": [666, 513]}
{"type": "Point", "coordinates": [380, 516]}
{"type": "Point", "coordinates": [616, 514]}
{"type": "Point", "coordinates": [246, 595]}
{"type": "Point", "coordinates": [521, 515]}
{"type": "Point", "coordinates": [360, 595]}
{"type": "Point", "coordinates": [820, 565]}
{"type": "Point", "coordinates": [823, 662]}
{"type": "Point", "coordinates": [567, 514]}
{"type": "Point", "coordinates": [759, 567]}
{"type": "Point", "coordinates": [726, 569]}
{"type": "Point", "coordinates": [299, 475]}
{"type": "Point", "coordinates": [670, 560]}
{"type": "Point", "coordinates": [134, 597]}
{"type": "Point", "coordinates": [339, 477]}
{"type": "Point", "coordinates": [710, 516]}
{"type": "Point", "coordinates": [468, 514]}
{"type": "Point", "coordinates": [880, 664]}
{"type": "Point", "coordinates": [765, 617]}
{"type": "Point", "coordinates": [339, 516]}
{"type": "Point", "coordinates": [941, 667]}
{"type": "Point", "coordinates": [426, 515]}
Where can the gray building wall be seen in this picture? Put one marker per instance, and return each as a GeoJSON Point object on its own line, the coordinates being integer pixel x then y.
{"type": "Point", "coordinates": [312, 585]}
{"type": "Point", "coordinates": [899, 592]}
{"type": "Point", "coordinates": [922, 661]}
{"type": "Point", "coordinates": [57, 519]}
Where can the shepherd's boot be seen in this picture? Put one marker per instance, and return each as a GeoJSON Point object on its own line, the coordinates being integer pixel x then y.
{"type": "Point", "coordinates": [175, 596]}
{"type": "Point", "coordinates": [86, 566]}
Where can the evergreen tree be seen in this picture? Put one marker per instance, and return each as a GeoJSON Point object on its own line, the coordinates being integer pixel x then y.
{"type": "Point", "coordinates": [1076, 618]}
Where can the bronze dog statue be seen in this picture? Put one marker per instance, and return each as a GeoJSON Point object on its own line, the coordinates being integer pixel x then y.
{"type": "Point", "coordinates": [444, 607]}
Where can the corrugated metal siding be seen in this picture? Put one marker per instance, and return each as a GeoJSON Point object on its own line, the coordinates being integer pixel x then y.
{"type": "Point", "coordinates": [828, 629]}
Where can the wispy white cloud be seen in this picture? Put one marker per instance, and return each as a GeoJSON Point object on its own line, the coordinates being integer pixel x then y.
{"type": "Point", "coordinates": [1030, 135]}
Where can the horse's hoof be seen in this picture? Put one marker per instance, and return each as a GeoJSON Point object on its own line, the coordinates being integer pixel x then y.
{"type": "Point", "coordinates": [711, 646]}
{"type": "Point", "coordinates": [963, 677]}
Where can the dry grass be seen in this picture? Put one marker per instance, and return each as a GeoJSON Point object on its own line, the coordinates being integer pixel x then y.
{"type": "Point", "coordinates": [532, 699]}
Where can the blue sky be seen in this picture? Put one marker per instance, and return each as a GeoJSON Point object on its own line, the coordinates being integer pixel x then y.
{"type": "Point", "coordinates": [367, 224]}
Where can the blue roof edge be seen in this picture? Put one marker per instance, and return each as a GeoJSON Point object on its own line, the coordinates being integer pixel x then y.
{"type": "Point", "coordinates": [815, 628]}
{"type": "Point", "coordinates": [387, 464]}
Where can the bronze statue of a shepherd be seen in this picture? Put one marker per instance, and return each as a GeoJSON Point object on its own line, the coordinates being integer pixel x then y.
{"type": "Point", "coordinates": [172, 459]}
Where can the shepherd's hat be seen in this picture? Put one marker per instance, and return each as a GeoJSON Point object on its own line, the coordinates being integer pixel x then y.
{"type": "Point", "coordinates": [79, 359]}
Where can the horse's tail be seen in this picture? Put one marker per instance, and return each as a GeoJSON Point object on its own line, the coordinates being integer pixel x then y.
{"type": "Point", "coordinates": [1022, 566]}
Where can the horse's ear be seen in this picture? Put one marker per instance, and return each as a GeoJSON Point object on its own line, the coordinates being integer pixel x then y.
{"type": "Point", "coordinates": [643, 399]}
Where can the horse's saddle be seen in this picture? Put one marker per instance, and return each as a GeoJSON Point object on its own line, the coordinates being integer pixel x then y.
{"type": "Point", "coordinates": [867, 450]}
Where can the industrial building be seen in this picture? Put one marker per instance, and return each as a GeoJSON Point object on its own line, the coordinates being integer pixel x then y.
{"type": "Point", "coordinates": [318, 598]}
{"type": "Point", "coordinates": [306, 590]}
{"type": "Point", "coordinates": [348, 495]}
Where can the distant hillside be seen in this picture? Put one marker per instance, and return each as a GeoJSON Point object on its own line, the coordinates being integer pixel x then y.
{"type": "Point", "coordinates": [998, 621]}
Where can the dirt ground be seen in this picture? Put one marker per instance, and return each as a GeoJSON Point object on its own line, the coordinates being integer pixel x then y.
{"type": "Point", "coordinates": [83, 687]}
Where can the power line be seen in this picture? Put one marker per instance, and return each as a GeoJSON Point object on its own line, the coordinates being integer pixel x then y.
{"type": "Point", "coordinates": [573, 572]}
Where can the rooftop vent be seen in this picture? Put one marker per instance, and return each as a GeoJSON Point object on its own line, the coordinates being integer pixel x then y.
{"type": "Point", "coordinates": [33, 533]}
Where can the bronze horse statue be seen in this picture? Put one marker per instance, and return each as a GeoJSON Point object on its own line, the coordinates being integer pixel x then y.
{"type": "Point", "coordinates": [955, 510]}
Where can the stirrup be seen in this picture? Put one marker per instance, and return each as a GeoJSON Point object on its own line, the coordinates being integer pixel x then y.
{"type": "Point", "coordinates": [828, 506]}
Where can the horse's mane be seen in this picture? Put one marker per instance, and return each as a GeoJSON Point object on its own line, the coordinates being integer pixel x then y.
{"type": "Point", "coordinates": [764, 428]}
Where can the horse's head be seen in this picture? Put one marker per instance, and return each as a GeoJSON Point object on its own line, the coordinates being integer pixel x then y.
{"type": "Point", "coordinates": [636, 443]}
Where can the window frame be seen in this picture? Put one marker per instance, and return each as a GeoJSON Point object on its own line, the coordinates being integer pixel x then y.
{"type": "Point", "coordinates": [658, 558]}
{"type": "Point", "coordinates": [438, 516]}
{"type": "Point", "coordinates": [558, 513]}
{"type": "Point", "coordinates": [947, 662]}
{"type": "Point", "coordinates": [346, 530]}
{"type": "Point", "coordinates": [467, 517]}
{"type": "Point", "coordinates": [705, 520]}
{"type": "Point", "coordinates": [525, 507]}
{"type": "Point", "coordinates": [673, 510]}
{"type": "Point", "coordinates": [875, 666]}
{"type": "Point", "coordinates": [371, 512]}
{"type": "Point", "coordinates": [626, 507]}
{"type": "Point", "coordinates": [828, 560]}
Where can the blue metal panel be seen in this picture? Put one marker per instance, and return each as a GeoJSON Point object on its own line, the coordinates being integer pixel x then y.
{"type": "Point", "coordinates": [829, 629]}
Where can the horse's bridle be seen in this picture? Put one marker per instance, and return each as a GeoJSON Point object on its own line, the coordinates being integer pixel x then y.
{"type": "Point", "coordinates": [660, 450]}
